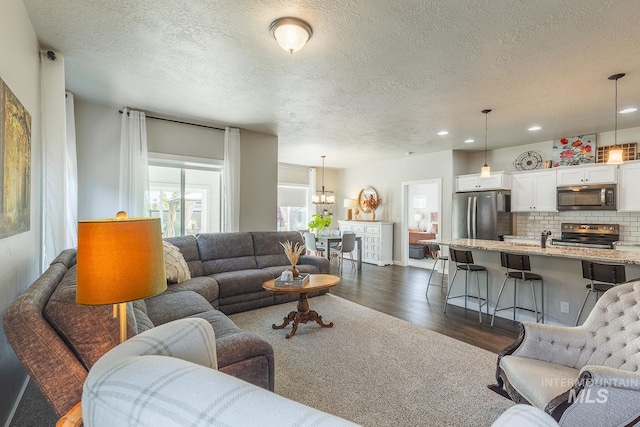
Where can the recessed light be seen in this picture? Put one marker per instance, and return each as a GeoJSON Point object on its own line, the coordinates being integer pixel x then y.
{"type": "Point", "coordinates": [534, 128]}
{"type": "Point", "coordinates": [628, 110]}
{"type": "Point", "coordinates": [469, 141]}
{"type": "Point", "coordinates": [443, 133]}
{"type": "Point", "coordinates": [409, 153]}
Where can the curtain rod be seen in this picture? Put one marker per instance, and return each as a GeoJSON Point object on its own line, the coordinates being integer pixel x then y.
{"type": "Point", "coordinates": [178, 121]}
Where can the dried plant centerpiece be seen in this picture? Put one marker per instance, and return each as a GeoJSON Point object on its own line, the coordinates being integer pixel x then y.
{"type": "Point", "coordinates": [372, 203]}
{"type": "Point", "coordinates": [293, 254]}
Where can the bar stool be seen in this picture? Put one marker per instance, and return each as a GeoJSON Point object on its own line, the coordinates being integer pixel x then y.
{"type": "Point", "coordinates": [439, 257]}
{"type": "Point", "coordinates": [464, 262]}
{"type": "Point", "coordinates": [610, 274]}
{"type": "Point", "coordinates": [518, 268]}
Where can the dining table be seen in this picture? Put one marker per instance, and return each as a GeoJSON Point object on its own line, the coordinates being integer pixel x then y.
{"type": "Point", "coordinates": [328, 240]}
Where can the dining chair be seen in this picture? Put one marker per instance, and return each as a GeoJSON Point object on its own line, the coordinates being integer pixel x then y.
{"type": "Point", "coordinates": [312, 246]}
{"type": "Point", "coordinates": [347, 245]}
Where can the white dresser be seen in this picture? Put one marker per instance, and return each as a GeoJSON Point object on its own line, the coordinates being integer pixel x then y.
{"type": "Point", "coordinates": [377, 240]}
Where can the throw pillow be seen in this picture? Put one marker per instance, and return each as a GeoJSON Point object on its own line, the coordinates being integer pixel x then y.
{"type": "Point", "coordinates": [175, 265]}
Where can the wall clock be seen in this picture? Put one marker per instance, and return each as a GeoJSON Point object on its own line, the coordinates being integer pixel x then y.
{"type": "Point", "coordinates": [529, 160]}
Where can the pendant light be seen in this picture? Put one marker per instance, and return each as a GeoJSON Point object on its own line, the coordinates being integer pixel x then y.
{"type": "Point", "coordinates": [485, 172]}
{"type": "Point", "coordinates": [615, 154]}
{"type": "Point", "coordinates": [323, 197]}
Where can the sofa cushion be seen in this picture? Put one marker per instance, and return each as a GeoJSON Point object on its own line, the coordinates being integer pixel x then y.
{"type": "Point", "coordinates": [189, 250]}
{"type": "Point", "coordinates": [175, 266]}
{"type": "Point", "coordinates": [143, 323]}
{"type": "Point", "coordinates": [224, 252]}
{"type": "Point", "coordinates": [203, 285]}
{"type": "Point", "coordinates": [241, 282]}
{"type": "Point", "coordinates": [169, 306]}
{"type": "Point", "coordinates": [89, 330]}
{"type": "Point", "coordinates": [267, 248]}
{"type": "Point", "coordinates": [222, 325]}
{"type": "Point", "coordinates": [536, 380]}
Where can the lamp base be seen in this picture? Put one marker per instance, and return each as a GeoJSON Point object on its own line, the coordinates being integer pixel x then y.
{"type": "Point", "coordinates": [122, 315]}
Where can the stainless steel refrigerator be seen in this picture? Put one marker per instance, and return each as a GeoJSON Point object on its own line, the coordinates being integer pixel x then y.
{"type": "Point", "coordinates": [482, 215]}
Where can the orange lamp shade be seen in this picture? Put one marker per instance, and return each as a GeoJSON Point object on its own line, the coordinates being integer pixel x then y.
{"type": "Point", "coordinates": [119, 260]}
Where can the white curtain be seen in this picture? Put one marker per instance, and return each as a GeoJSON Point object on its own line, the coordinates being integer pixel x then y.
{"type": "Point", "coordinates": [59, 183]}
{"type": "Point", "coordinates": [134, 165]}
{"type": "Point", "coordinates": [231, 181]}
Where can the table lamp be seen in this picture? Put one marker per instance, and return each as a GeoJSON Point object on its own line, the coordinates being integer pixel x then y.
{"type": "Point", "coordinates": [119, 260]}
{"type": "Point", "coordinates": [417, 218]}
{"type": "Point", "coordinates": [351, 204]}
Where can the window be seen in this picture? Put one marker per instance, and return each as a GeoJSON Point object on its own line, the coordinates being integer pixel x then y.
{"type": "Point", "coordinates": [187, 200]}
{"type": "Point", "coordinates": [293, 213]}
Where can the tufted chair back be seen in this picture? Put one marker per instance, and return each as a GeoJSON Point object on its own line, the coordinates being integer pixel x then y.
{"type": "Point", "coordinates": [613, 330]}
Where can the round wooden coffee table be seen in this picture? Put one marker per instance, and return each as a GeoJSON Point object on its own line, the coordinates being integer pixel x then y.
{"type": "Point", "coordinates": [317, 282]}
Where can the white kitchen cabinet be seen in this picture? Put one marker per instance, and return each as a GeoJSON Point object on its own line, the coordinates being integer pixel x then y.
{"type": "Point", "coordinates": [628, 193]}
{"type": "Point", "coordinates": [586, 175]}
{"type": "Point", "coordinates": [533, 191]}
{"type": "Point", "coordinates": [377, 240]}
{"type": "Point", "coordinates": [473, 182]}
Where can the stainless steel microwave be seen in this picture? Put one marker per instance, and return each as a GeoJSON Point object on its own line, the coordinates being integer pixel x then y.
{"type": "Point", "coordinates": [587, 198]}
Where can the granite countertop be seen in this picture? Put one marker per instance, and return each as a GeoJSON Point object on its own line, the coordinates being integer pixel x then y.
{"type": "Point", "coordinates": [623, 243]}
{"type": "Point", "coordinates": [597, 255]}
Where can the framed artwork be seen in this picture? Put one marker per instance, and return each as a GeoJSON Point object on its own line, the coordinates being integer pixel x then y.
{"type": "Point", "coordinates": [419, 202]}
{"type": "Point", "coordinates": [15, 160]}
{"type": "Point", "coordinates": [576, 150]}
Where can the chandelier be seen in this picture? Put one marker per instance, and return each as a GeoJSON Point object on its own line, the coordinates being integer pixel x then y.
{"type": "Point", "coordinates": [323, 197]}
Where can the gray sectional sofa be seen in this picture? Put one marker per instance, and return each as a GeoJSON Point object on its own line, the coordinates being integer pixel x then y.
{"type": "Point", "coordinates": [58, 340]}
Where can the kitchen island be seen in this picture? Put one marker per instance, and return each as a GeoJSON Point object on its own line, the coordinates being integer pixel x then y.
{"type": "Point", "coordinates": [560, 266]}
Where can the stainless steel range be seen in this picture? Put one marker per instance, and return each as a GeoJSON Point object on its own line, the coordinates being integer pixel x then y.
{"type": "Point", "coordinates": [597, 236]}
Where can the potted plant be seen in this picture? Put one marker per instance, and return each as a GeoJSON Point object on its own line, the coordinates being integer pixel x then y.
{"type": "Point", "coordinates": [318, 223]}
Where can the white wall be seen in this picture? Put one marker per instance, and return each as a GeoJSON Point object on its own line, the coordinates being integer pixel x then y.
{"type": "Point", "coordinates": [20, 266]}
{"type": "Point", "coordinates": [387, 178]}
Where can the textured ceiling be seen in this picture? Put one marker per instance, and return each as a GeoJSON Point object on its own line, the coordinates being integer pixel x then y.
{"type": "Point", "coordinates": [377, 79]}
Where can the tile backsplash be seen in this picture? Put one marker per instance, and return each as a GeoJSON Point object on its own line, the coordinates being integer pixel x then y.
{"type": "Point", "coordinates": [531, 224]}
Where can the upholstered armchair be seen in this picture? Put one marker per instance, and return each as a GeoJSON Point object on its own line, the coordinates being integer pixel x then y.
{"type": "Point", "coordinates": [167, 376]}
{"type": "Point", "coordinates": [582, 376]}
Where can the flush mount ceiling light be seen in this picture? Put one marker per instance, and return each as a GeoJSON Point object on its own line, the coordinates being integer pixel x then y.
{"type": "Point", "coordinates": [443, 133]}
{"type": "Point", "coordinates": [469, 141]}
{"type": "Point", "coordinates": [485, 172]}
{"type": "Point", "coordinates": [291, 33]}
{"type": "Point", "coordinates": [615, 154]}
{"type": "Point", "coordinates": [534, 128]}
{"type": "Point", "coordinates": [628, 110]}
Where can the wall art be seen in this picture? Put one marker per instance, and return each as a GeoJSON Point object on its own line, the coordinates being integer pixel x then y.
{"type": "Point", "coordinates": [576, 150]}
{"type": "Point", "coordinates": [15, 163]}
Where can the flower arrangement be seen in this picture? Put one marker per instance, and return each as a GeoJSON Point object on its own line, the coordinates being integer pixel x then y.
{"type": "Point", "coordinates": [319, 222]}
{"type": "Point", "coordinates": [293, 252]}
{"type": "Point", "coordinates": [371, 202]}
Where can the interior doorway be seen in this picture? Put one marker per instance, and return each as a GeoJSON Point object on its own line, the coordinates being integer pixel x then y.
{"type": "Point", "coordinates": [421, 215]}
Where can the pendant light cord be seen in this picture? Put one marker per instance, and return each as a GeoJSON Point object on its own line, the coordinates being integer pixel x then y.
{"type": "Point", "coordinates": [615, 128]}
{"type": "Point", "coordinates": [486, 127]}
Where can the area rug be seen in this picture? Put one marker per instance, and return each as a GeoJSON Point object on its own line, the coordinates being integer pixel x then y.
{"type": "Point", "coordinates": [376, 370]}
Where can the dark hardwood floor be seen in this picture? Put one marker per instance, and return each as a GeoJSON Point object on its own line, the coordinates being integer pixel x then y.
{"type": "Point", "coordinates": [400, 292]}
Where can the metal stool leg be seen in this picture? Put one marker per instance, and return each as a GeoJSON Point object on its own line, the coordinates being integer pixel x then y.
{"type": "Point", "coordinates": [535, 303]}
{"type": "Point", "coordinates": [504, 282]}
{"type": "Point", "coordinates": [486, 273]}
{"type": "Point", "coordinates": [515, 294]}
{"type": "Point", "coordinates": [435, 263]}
{"type": "Point", "coordinates": [446, 301]}
{"type": "Point", "coordinates": [466, 287]}
{"type": "Point", "coordinates": [582, 308]}
{"type": "Point", "coordinates": [542, 300]}
{"type": "Point", "coordinates": [479, 297]}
